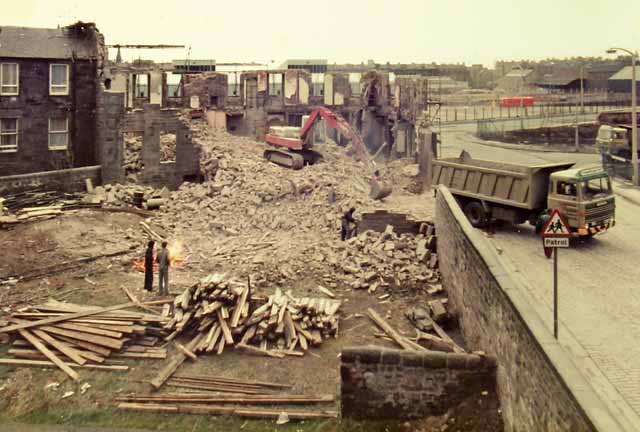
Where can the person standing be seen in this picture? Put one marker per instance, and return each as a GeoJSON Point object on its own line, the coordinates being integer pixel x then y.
{"type": "Point", "coordinates": [163, 260]}
{"type": "Point", "coordinates": [348, 225]}
{"type": "Point", "coordinates": [148, 266]}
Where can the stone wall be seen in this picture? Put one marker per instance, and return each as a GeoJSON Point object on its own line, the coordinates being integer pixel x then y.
{"type": "Point", "coordinates": [378, 221]}
{"type": "Point", "coordinates": [539, 386]}
{"type": "Point", "coordinates": [68, 180]}
{"type": "Point", "coordinates": [33, 107]}
{"type": "Point", "coordinates": [110, 116]}
{"type": "Point", "coordinates": [385, 384]}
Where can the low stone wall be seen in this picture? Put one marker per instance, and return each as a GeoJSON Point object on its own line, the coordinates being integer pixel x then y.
{"type": "Point", "coordinates": [378, 221]}
{"type": "Point", "coordinates": [69, 180]}
{"type": "Point", "coordinates": [539, 386]}
{"type": "Point", "coordinates": [385, 384]}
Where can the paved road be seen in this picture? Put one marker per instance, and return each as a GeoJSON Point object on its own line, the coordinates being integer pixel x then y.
{"type": "Point", "coordinates": [599, 285]}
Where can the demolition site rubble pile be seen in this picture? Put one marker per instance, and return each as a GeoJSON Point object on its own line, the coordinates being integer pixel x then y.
{"type": "Point", "coordinates": [387, 262]}
{"type": "Point", "coordinates": [132, 163]}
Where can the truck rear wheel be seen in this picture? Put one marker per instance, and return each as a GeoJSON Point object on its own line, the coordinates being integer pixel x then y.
{"type": "Point", "coordinates": [476, 214]}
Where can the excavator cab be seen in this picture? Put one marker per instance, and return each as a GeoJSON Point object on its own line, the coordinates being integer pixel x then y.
{"type": "Point", "coordinates": [291, 148]}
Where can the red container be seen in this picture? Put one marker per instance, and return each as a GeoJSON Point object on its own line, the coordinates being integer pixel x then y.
{"type": "Point", "coordinates": [516, 101]}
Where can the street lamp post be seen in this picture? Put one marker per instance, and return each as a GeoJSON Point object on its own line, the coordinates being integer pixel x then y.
{"type": "Point", "coordinates": [634, 113]}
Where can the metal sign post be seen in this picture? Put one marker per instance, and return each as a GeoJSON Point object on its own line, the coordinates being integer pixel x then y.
{"type": "Point", "coordinates": [555, 234]}
{"type": "Point", "coordinates": [555, 293]}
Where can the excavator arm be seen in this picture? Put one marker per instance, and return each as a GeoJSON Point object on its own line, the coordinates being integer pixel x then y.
{"type": "Point", "coordinates": [337, 122]}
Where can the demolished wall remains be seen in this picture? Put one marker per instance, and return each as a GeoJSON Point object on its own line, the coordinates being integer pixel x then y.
{"type": "Point", "coordinates": [383, 384]}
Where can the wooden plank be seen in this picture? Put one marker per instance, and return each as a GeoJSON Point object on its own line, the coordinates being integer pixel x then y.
{"type": "Point", "coordinates": [228, 337]}
{"type": "Point", "coordinates": [445, 336]}
{"type": "Point", "coordinates": [289, 329]}
{"type": "Point", "coordinates": [88, 329]}
{"type": "Point", "coordinates": [94, 339]}
{"type": "Point", "coordinates": [67, 350]}
{"type": "Point", "coordinates": [46, 363]}
{"type": "Point", "coordinates": [239, 306]}
{"type": "Point", "coordinates": [215, 387]}
{"type": "Point", "coordinates": [175, 363]}
{"type": "Point", "coordinates": [228, 399]}
{"type": "Point", "coordinates": [393, 334]}
{"type": "Point", "coordinates": [214, 339]}
{"type": "Point", "coordinates": [259, 351]}
{"type": "Point", "coordinates": [189, 354]}
{"type": "Point", "coordinates": [235, 381]}
{"type": "Point", "coordinates": [67, 317]}
{"type": "Point", "coordinates": [222, 410]}
{"type": "Point", "coordinates": [104, 352]}
{"type": "Point", "coordinates": [33, 340]}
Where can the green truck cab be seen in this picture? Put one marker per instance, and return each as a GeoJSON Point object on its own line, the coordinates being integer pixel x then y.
{"type": "Point", "coordinates": [585, 199]}
{"type": "Point", "coordinates": [490, 190]}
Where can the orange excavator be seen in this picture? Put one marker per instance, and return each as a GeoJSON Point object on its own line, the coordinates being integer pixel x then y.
{"type": "Point", "coordinates": [296, 152]}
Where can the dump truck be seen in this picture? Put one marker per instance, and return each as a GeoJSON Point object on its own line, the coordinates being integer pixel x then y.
{"type": "Point", "coordinates": [488, 190]}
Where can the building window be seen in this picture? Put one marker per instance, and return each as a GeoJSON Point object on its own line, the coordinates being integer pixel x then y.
{"type": "Point", "coordinates": [59, 79]}
{"type": "Point", "coordinates": [9, 79]}
{"type": "Point", "coordinates": [58, 133]}
{"type": "Point", "coordinates": [8, 134]}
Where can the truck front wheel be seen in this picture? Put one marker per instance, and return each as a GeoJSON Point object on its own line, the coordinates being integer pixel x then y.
{"type": "Point", "coordinates": [476, 214]}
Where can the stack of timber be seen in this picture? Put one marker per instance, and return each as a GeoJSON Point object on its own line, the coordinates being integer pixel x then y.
{"type": "Point", "coordinates": [217, 314]}
{"type": "Point", "coordinates": [70, 336]}
{"type": "Point", "coordinates": [239, 392]}
{"type": "Point", "coordinates": [225, 313]}
{"type": "Point", "coordinates": [36, 205]}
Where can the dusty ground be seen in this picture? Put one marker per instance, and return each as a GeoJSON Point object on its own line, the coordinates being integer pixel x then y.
{"type": "Point", "coordinates": [259, 226]}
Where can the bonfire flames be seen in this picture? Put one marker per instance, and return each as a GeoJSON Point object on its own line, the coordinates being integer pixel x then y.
{"type": "Point", "coordinates": [177, 257]}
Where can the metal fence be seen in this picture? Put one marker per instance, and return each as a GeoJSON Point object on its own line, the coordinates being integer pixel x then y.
{"type": "Point", "coordinates": [450, 115]}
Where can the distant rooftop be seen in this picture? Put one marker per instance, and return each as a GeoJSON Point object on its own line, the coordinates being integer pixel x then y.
{"type": "Point", "coordinates": [625, 73]}
{"type": "Point", "coordinates": [74, 41]}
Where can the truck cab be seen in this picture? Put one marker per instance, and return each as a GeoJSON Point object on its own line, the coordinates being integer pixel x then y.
{"type": "Point", "coordinates": [584, 197]}
{"type": "Point", "coordinates": [613, 140]}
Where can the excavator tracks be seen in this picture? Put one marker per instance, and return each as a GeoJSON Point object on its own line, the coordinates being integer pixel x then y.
{"type": "Point", "coordinates": [284, 158]}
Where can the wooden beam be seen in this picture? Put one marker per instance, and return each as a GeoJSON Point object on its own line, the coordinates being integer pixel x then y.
{"type": "Point", "coordinates": [175, 363]}
{"type": "Point", "coordinates": [46, 363]}
{"type": "Point", "coordinates": [222, 410]}
{"type": "Point", "coordinates": [33, 340]}
{"type": "Point", "coordinates": [228, 399]}
{"type": "Point", "coordinates": [66, 317]}
{"type": "Point", "coordinates": [65, 349]}
{"type": "Point", "coordinates": [393, 334]}
{"type": "Point", "coordinates": [188, 353]}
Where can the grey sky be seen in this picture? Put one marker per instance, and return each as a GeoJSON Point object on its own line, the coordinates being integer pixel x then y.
{"type": "Point", "coordinates": [470, 31]}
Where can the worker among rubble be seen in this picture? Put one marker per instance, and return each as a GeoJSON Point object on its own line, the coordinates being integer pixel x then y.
{"type": "Point", "coordinates": [148, 266]}
{"type": "Point", "coordinates": [349, 225]}
{"type": "Point", "coordinates": [163, 260]}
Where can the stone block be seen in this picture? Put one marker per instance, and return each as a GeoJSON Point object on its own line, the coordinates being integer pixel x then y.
{"type": "Point", "coordinates": [435, 360]}
{"type": "Point", "coordinates": [412, 358]}
{"type": "Point", "coordinates": [391, 357]}
{"type": "Point", "coordinates": [363, 354]}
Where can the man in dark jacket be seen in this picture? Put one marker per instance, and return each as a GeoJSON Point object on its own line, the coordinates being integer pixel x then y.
{"type": "Point", "coordinates": [348, 225]}
{"type": "Point", "coordinates": [148, 266]}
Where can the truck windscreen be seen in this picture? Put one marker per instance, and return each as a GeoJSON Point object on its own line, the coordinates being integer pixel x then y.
{"type": "Point", "coordinates": [596, 188]}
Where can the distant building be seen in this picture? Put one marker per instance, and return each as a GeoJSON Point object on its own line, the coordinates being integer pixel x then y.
{"type": "Point", "coordinates": [193, 66]}
{"type": "Point", "coordinates": [48, 93]}
{"type": "Point", "coordinates": [517, 80]}
{"type": "Point", "coordinates": [620, 82]}
{"type": "Point", "coordinates": [310, 65]}
{"type": "Point", "coordinates": [562, 80]}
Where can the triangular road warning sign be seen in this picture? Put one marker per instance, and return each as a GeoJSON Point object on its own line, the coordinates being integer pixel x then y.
{"type": "Point", "coordinates": [556, 226]}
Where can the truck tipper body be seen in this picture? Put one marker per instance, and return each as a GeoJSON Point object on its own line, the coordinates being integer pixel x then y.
{"type": "Point", "coordinates": [516, 193]}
